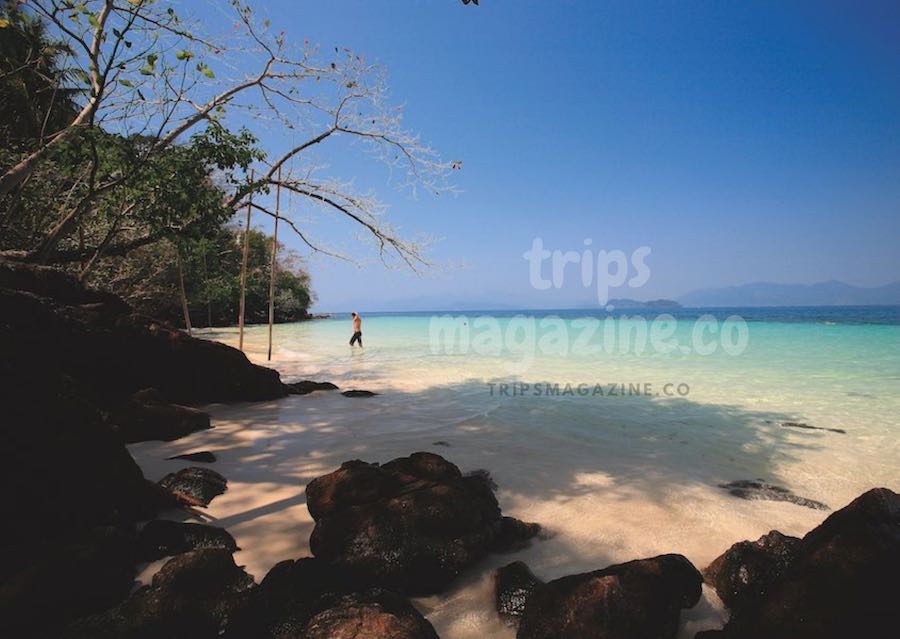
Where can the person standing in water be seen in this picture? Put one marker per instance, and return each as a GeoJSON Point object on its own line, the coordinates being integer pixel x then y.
{"type": "Point", "coordinates": [357, 330]}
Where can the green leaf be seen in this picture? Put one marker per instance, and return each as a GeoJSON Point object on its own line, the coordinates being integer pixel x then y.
{"type": "Point", "coordinates": [126, 83]}
{"type": "Point", "coordinates": [146, 70]}
{"type": "Point", "coordinates": [184, 55]}
{"type": "Point", "coordinates": [209, 73]}
{"type": "Point", "coordinates": [151, 59]}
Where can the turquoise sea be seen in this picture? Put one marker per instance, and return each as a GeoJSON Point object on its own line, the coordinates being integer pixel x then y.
{"type": "Point", "coordinates": [627, 472]}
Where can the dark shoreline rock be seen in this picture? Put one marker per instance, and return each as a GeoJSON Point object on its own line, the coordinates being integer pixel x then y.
{"type": "Point", "coordinates": [304, 387]}
{"type": "Point", "coordinates": [838, 581]}
{"type": "Point", "coordinates": [202, 456]}
{"type": "Point", "coordinates": [808, 427]}
{"type": "Point", "coordinates": [758, 489]}
{"type": "Point", "coordinates": [640, 598]}
{"type": "Point", "coordinates": [513, 585]}
{"type": "Point", "coordinates": [411, 525]}
{"type": "Point", "coordinates": [143, 420]}
{"type": "Point", "coordinates": [198, 485]}
{"type": "Point", "coordinates": [358, 393]}
{"type": "Point", "coordinates": [163, 538]}
{"type": "Point", "coordinates": [749, 568]}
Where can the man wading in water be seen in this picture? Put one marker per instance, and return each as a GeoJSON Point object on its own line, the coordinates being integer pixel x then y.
{"type": "Point", "coordinates": [357, 330]}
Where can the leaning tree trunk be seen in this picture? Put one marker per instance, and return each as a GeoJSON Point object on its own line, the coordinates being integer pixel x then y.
{"type": "Point", "coordinates": [244, 259]}
{"type": "Point", "coordinates": [274, 262]}
{"type": "Point", "coordinates": [184, 300]}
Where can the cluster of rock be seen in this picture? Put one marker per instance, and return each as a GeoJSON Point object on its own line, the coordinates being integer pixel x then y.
{"type": "Point", "coordinates": [74, 371]}
{"type": "Point", "coordinates": [836, 582]}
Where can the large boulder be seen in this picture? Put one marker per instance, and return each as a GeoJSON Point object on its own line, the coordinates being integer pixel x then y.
{"type": "Point", "coordinates": [749, 568]}
{"type": "Point", "coordinates": [198, 486]}
{"type": "Point", "coordinates": [841, 582]}
{"type": "Point", "coordinates": [638, 599]}
{"type": "Point", "coordinates": [411, 525]}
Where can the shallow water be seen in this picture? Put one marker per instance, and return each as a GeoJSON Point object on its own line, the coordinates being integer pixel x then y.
{"type": "Point", "coordinates": [610, 477]}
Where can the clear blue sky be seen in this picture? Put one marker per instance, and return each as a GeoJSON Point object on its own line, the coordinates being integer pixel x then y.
{"type": "Point", "coordinates": [741, 141]}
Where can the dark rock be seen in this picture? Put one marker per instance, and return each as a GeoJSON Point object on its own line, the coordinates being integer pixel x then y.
{"type": "Point", "coordinates": [113, 352]}
{"type": "Point", "coordinates": [203, 456]}
{"type": "Point", "coordinates": [513, 584]}
{"type": "Point", "coordinates": [808, 427]}
{"type": "Point", "coordinates": [199, 485]}
{"type": "Point", "coordinates": [140, 421]}
{"type": "Point", "coordinates": [162, 538]}
{"type": "Point", "coordinates": [358, 393]}
{"type": "Point", "coordinates": [411, 525]}
{"type": "Point", "coordinates": [64, 471]}
{"type": "Point", "coordinates": [310, 599]}
{"type": "Point", "coordinates": [441, 443]}
{"type": "Point", "coordinates": [376, 614]}
{"type": "Point", "coordinates": [47, 586]}
{"type": "Point", "coordinates": [306, 386]}
{"type": "Point", "coordinates": [841, 583]}
{"type": "Point", "coordinates": [748, 489]}
{"type": "Point", "coordinates": [514, 535]}
{"type": "Point", "coordinates": [637, 599]}
{"type": "Point", "coordinates": [193, 596]}
{"type": "Point", "coordinates": [748, 569]}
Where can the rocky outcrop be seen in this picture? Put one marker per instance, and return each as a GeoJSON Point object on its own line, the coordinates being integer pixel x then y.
{"type": "Point", "coordinates": [513, 585]}
{"type": "Point", "coordinates": [410, 525]}
{"type": "Point", "coordinates": [841, 581]}
{"type": "Point", "coordinates": [641, 598]}
{"type": "Point", "coordinates": [96, 339]}
{"type": "Point", "coordinates": [162, 538]}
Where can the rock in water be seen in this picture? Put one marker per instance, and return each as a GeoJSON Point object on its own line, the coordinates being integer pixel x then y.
{"type": "Point", "coordinates": [199, 485]}
{"type": "Point", "coordinates": [411, 525]}
{"type": "Point", "coordinates": [306, 386]}
{"type": "Point", "coordinates": [808, 427]}
{"type": "Point", "coordinates": [358, 393]}
{"type": "Point", "coordinates": [637, 599]}
{"type": "Point", "coordinates": [748, 569]}
{"type": "Point", "coordinates": [203, 456]}
{"type": "Point", "coordinates": [841, 583]}
{"type": "Point", "coordinates": [162, 538]}
{"type": "Point", "coordinates": [748, 489]}
{"type": "Point", "coordinates": [194, 595]}
{"type": "Point", "coordinates": [513, 584]}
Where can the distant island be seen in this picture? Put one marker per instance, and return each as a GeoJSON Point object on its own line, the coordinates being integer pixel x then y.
{"type": "Point", "coordinates": [625, 302]}
{"type": "Point", "coordinates": [832, 293]}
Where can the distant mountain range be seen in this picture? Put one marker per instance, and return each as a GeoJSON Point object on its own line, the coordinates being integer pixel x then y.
{"type": "Point", "coordinates": [831, 293]}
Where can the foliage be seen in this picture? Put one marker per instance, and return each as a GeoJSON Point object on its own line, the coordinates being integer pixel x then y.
{"type": "Point", "coordinates": [148, 279]}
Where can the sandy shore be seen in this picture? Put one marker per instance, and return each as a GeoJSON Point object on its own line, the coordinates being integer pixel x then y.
{"type": "Point", "coordinates": [598, 505]}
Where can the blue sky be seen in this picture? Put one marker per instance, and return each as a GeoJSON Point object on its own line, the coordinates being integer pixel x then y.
{"type": "Point", "coordinates": [740, 141]}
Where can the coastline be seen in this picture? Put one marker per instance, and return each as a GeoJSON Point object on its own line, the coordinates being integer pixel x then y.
{"type": "Point", "coordinates": [594, 498]}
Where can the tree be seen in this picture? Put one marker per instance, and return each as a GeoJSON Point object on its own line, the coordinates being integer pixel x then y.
{"type": "Point", "coordinates": [154, 80]}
